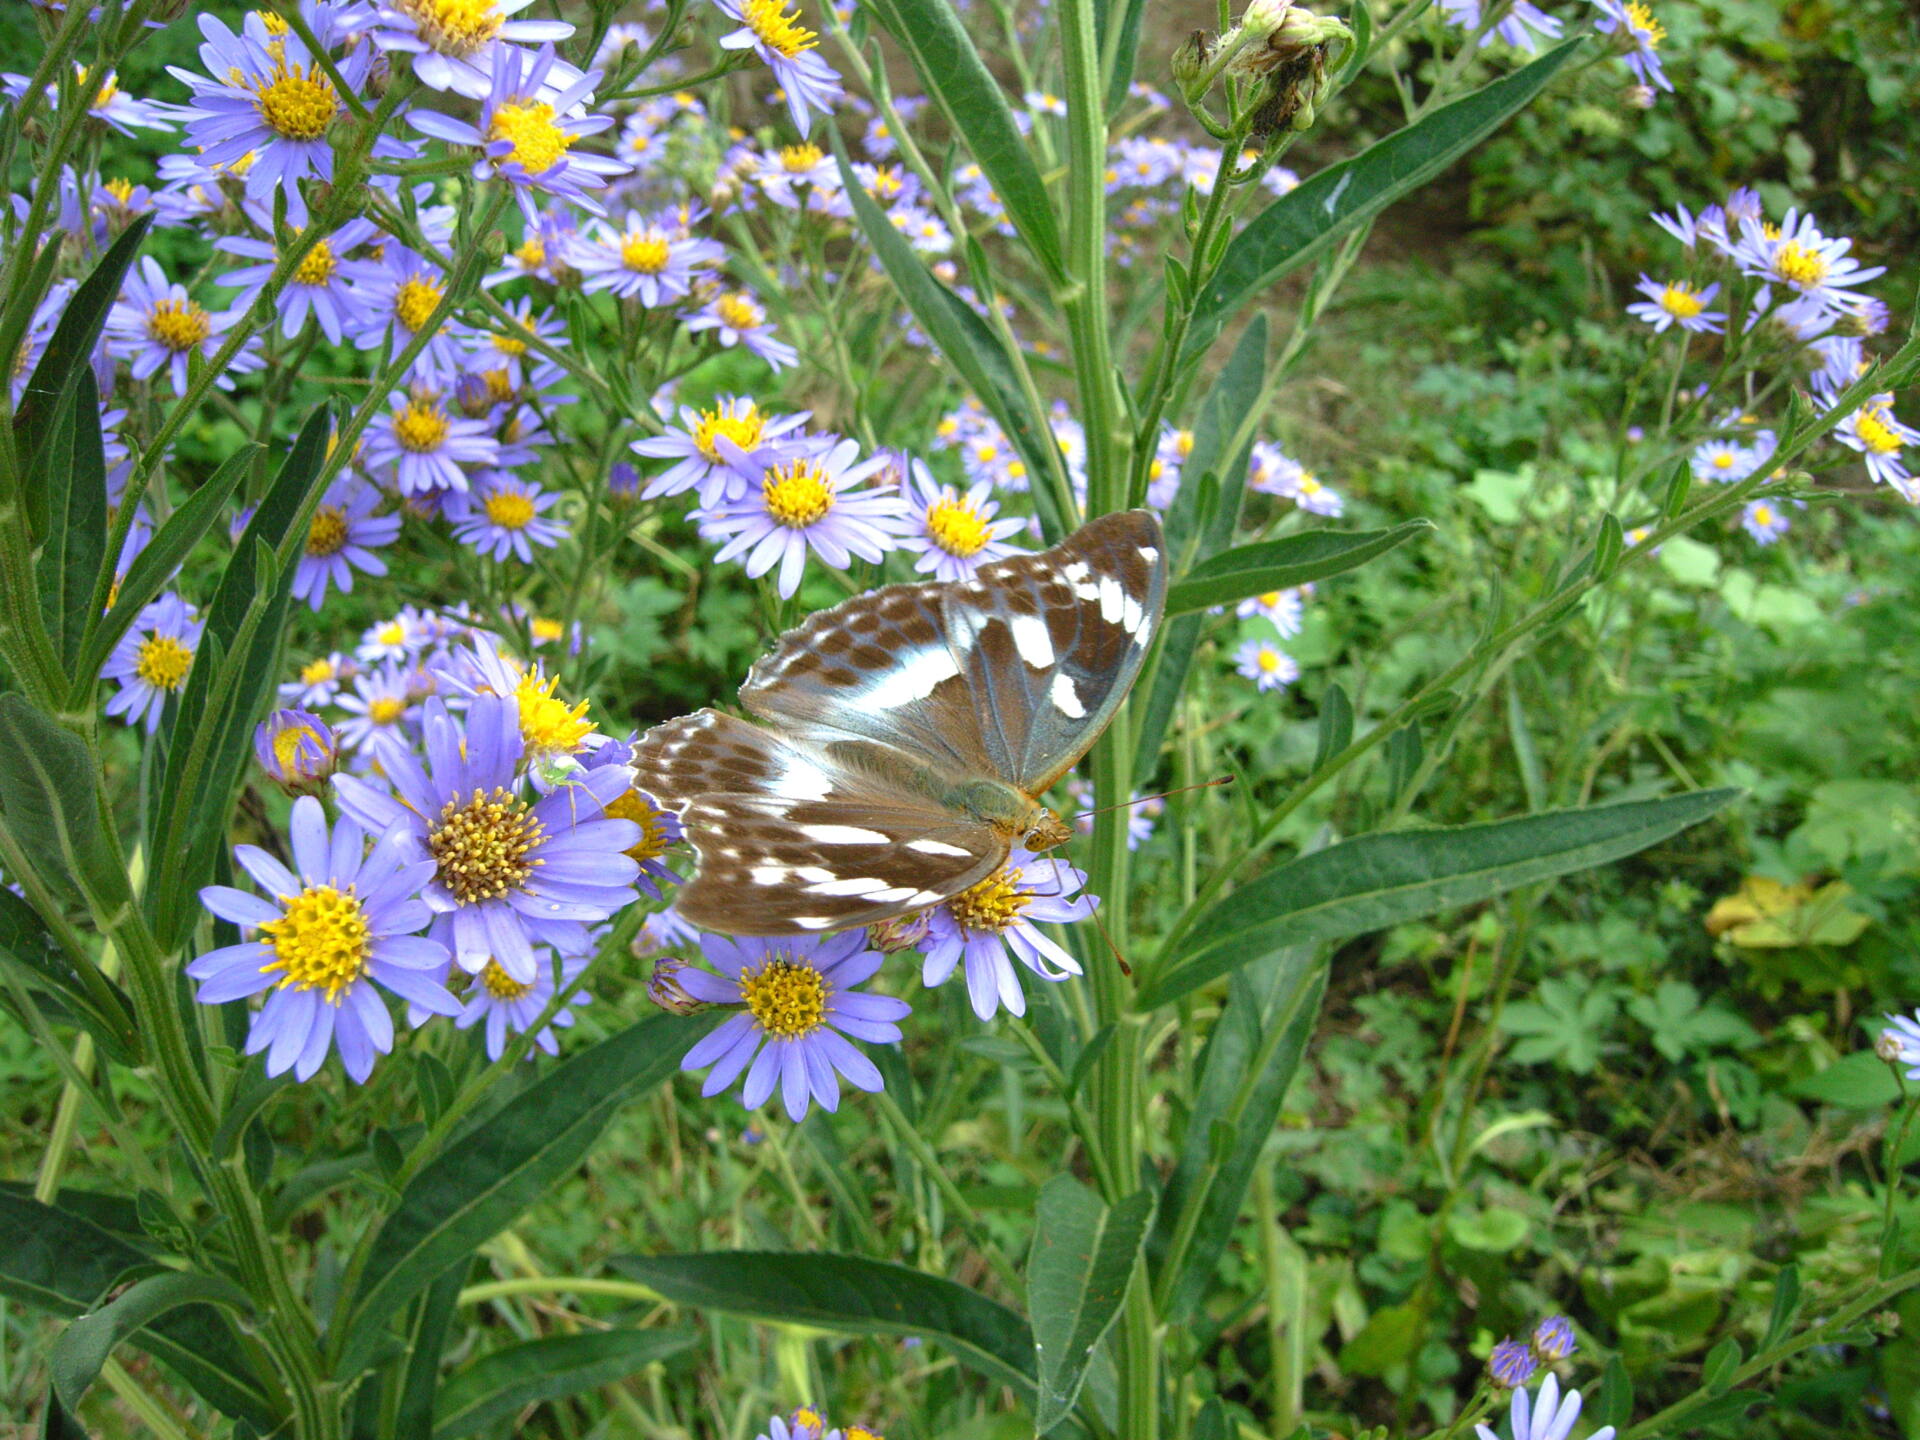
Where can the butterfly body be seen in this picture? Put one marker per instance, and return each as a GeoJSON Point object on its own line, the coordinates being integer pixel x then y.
{"type": "Point", "coordinates": [907, 735]}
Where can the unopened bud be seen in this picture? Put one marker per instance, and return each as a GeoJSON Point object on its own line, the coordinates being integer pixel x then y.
{"type": "Point", "coordinates": [903, 932]}
{"type": "Point", "coordinates": [1637, 97]}
{"type": "Point", "coordinates": [1888, 1047]}
{"type": "Point", "coordinates": [1190, 66]}
{"type": "Point", "coordinates": [664, 988]}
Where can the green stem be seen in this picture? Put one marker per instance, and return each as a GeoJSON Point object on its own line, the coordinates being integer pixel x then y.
{"type": "Point", "coordinates": [910, 1136]}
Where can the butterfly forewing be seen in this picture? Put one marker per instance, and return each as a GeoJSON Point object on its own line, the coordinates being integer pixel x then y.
{"type": "Point", "coordinates": [1051, 643]}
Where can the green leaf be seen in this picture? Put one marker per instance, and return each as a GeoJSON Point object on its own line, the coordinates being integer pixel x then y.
{"type": "Point", "coordinates": [850, 1294]}
{"type": "Point", "coordinates": [1305, 222]}
{"type": "Point", "coordinates": [959, 333]}
{"type": "Point", "coordinates": [477, 1186]}
{"type": "Point", "coordinates": [1563, 1024]}
{"type": "Point", "coordinates": [504, 1382]}
{"type": "Point", "coordinates": [1860, 1081]}
{"type": "Point", "coordinates": [977, 112]}
{"type": "Point", "coordinates": [74, 338]}
{"type": "Point", "coordinates": [47, 793]}
{"type": "Point", "coordinates": [55, 1422]}
{"type": "Point", "coordinates": [1614, 1406]}
{"type": "Point", "coordinates": [1282, 564]}
{"type": "Point", "coordinates": [155, 565]}
{"type": "Point", "coordinates": [83, 1347]}
{"type": "Point", "coordinates": [1381, 880]}
{"type": "Point", "coordinates": [1336, 725]}
{"type": "Point", "coordinates": [1083, 1257]}
{"type": "Point", "coordinates": [1786, 1306]}
{"type": "Point", "coordinates": [1124, 47]}
{"type": "Point", "coordinates": [56, 1261]}
{"type": "Point", "coordinates": [1389, 1338]}
{"type": "Point", "coordinates": [1494, 1232]}
{"type": "Point", "coordinates": [96, 1002]}
{"type": "Point", "coordinates": [429, 1325]}
{"type": "Point", "coordinates": [1607, 547]}
{"type": "Point", "coordinates": [1717, 1374]}
{"type": "Point", "coordinates": [69, 477]}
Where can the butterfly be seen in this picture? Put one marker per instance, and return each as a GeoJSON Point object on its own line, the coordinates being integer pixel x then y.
{"type": "Point", "coordinates": [900, 741]}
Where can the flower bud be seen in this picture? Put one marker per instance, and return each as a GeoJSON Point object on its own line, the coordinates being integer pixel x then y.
{"type": "Point", "coordinates": [664, 988]}
{"type": "Point", "coordinates": [1637, 97]}
{"type": "Point", "coordinates": [1190, 67]}
{"type": "Point", "coordinates": [903, 932]}
{"type": "Point", "coordinates": [1511, 1365]}
{"type": "Point", "coordinates": [297, 750]}
{"type": "Point", "coordinates": [1553, 1338]}
{"type": "Point", "coordinates": [1887, 1047]}
{"type": "Point", "coordinates": [623, 481]}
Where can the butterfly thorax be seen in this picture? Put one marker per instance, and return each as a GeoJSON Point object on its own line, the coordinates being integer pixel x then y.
{"type": "Point", "coordinates": [1009, 810]}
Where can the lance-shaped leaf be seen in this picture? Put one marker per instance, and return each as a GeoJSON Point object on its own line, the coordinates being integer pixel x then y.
{"type": "Point", "coordinates": [46, 790]}
{"type": "Point", "coordinates": [83, 1347]}
{"type": "Point", "coordinates": [1376, 881]}
{"type": "Point", "coordinates": [850, 1294]}
{"type": "Point", "coordinates": [1280, 564]}
{"type": "Point", "coordinates": [1083, 1255]}
{"type": "Point", "coordinates": [1305, 222]}
{"type": "Point", "coordinates": [504, 1382]}
{"type": "Point", "coordinates": [976, 109]}
{"type": "Point", "coordinates": [960, 335]}
{"type": "Point", "coordinates": [476, 1186]}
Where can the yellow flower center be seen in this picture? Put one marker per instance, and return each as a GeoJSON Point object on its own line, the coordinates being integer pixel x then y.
{"type": "Point", "coordinates": [109, 88]}
{"type": "Point", "coordinates": [956, 527]}
{"type": "Point", "coordinates": [739, 420]}
{"type": "Point", "coordinates": [1763, 514]}
{"type": "Point", "coordinates": [1875, 433]}
{"type": "Point", "coordinates": [993, 904]}
{"type": "Point", "coordinates": [1647, 30]}
{"type": "Point", "coordinates": [645, 253]}
{"type": "Point", "coordinates": [508, 345]}
{"type": "Point", "coordinates": [653, 829]}
{"type": "Point", "coordinates": [273, 23]}
{"type": "Point", "coordinates": [773, 27]}
{"type": "Point", "coordinates": [739, 312]}
{"type": "Point", "coordinates": [1270, 599]}
{"type": "Point", "coordinates": [546, 630]}
{"type": "Point", "coordinates": [509, 509]}
{"type": "Point", "coordinates": [296, 105]}
{"type": "Point", "coordinates": [178, 324]}
{"type": "Point", "coordinates": [414, 301]}
{"type": "Point", "coordinates": [538, 143]}
{"type": "Point", "coordinates": [1798, 266]}
{"type": "Point", "coordinates": [386, 710]}
{"type": "Point", "coordinates": [499, 385]}
{"type": "Point", "coordinates": [1680, 302]}
{"type": "Point", "coordinates": [390, 632]}
{"type": "Point", "coordinates": [421, 427]}
{"type": "Point", "coordinates": [797, 493]}
{"type": "Point", "coordinates": [502, 986]}
{"type": "Point", "coordinates": [533, 253]}
{"type": "Point", "coordinates": [787, 998]}
{"type": "Point", "coordinates": [288, 744]}
{"type": "Point", "coordinates": [162, 662]}
{"type": "Point", "coordinates": [546, 721]}
{"type": "Point", "coordinates": [860, 1432]}
{"type": "Point", "coordinates": [316, 672]}
{"type": "Point", "coordinates": [482, 846]}
{"type": "Point", "coordinates": [453, 27]}
{"type": "Point", "coordinates": [1269, 661]}
{"type": "Point", "coordinates": [321, 942]}
{"type": "Point", "coordinates": [328, 533]}
{"type": "Point", "coordinates": [798, 159]}
{"type": "Point", "coordinates": [318, 267]}
{"type": "Point", "coordinates": [120, 190]}
{"type": "Point", "coordinates": [1723, 460]}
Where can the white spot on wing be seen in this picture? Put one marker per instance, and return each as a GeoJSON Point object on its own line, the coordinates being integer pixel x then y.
{"type": "Point", "coordinates": [768, 874]}
{"type": "Point", "coordinates": [843, 835]}
{"type": "Point", "coordinates": [1066, 699]}
{"type": "Point", "coordinates": [813, 872]}
{"type": "Point", "coordinates": [937, 847]}
{"type": "Point", "coordinates": [914, 678]}
{"type": "Point", "coordinates": [813, 922]}
{"type": "Point", "coordinates": [858, 885]}
{"type": "Point", "coordinates": [1113, 599]}
{"type": "Point", "coordinates": [1030, 639]}
{"type": "Point", "coordinates": [801, 779]}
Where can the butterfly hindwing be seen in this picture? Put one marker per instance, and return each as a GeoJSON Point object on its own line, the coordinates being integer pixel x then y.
{"type": "Point", "coordinates": [1051, 643]}
{"type": "Point", "coordinates": [770, 866]}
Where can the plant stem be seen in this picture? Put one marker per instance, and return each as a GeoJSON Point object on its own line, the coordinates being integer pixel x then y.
{"type": "Point", "coordinates": [910, 1136]}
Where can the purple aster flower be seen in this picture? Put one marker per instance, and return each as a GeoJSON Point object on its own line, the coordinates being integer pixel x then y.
{"type": "Point", "coordinates": [1632, 21]}
{"type": "Point", "coordinates": [1266, 664]}
{"type": "Point", "coordinates": [46, 317]}
{"type": "Point", "coordinates": [511, 874]}
{"type": "Point", "coordinates": [953, 534]}
{"type": "Point", "coordinates": [426, 447]}
{"type": "Point", "coordinates": [1553, 1338]}
{"type": "Point", "coordinates": [659, 827]}
{"type": "Point", "coordinates": [736, 318]}
{"type": "Point", "coordinates": [341, 922]}
{"type": "Point", "coordinates": [152, 659]}
{"type": "Point", "coordinates": [1900, 1043]}
{"type": "Point", "coordinates": [401, 638]}
{"type": "Point", "coordinates": [394, 300]}
{"type": "Point", "coordinates": [505, 515]}
{"type": "Point", "coordinates": [1286, 609]}
{"type": "Point", "coordinates": [800, 1003]}
{"type": "Point", "coordinates": [319, 681]}
{"type": "Point", "coordinates": [1517, 27]}
{"type": "Point", "coordinates": [510, 1006]}
{"type": "Point", "coordinates": [643, 260]}
{"type": "Point", "coordinates": [803, 503]}
{"type": "Point", "coordinates": [318, 285]}
{"type": "Point", "coordinates": [342, 538]}
{"type": "Point", "coordinates": [775, 34]}
{"type": "Point", "coordinates": [382, 702]}
{"type": "Point", "coordinates": [717, 450]}
{"type": "Point", "coordinates": [1763, 520]}
{"type": "Point", "coordinates": [1511, 1364]}
{"type": "Point", "coordinates": [1814, 267]}
{"type": "Point", "coordinates": [157, 326]}
{"type": "Point", "coordinates": [1544, 1416]}
{"type": "Point", "coordinates": [1724, 461]}
{"type": "Point", "coordinates": [457, 44]}
{"type": "Point", "coordinates": [527, 130]}
{"type": "Point", "coordinates": [991, 925]}
{"type": "Point", "coordinates": [297, 750]}
{"type": "Point", "coordinates": [1678, 303]}
{"type": "Point", "coordinates": [1879, 436]}
{"type": "Point", "coordinates": [270, 104]}
{"type": "Point", "coordinates": [551, 731]}
{"type": "Point", "coordinates": [801, 176]}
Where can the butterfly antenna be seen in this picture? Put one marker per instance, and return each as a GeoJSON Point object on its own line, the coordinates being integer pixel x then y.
{"type": "Point", "coordinates": [1118, 958]}
{"type": "Point", "coordinates": [1162, 795]}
